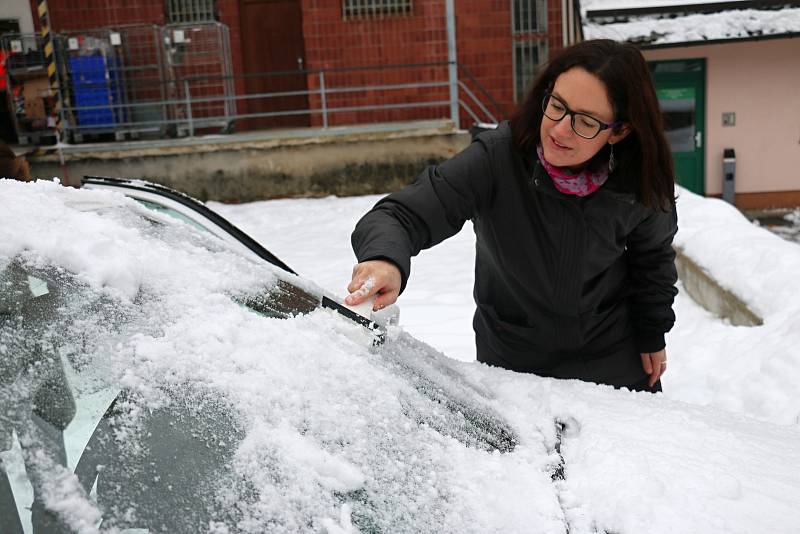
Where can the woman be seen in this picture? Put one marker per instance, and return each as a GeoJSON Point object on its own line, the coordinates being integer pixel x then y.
{"type": "Point", "coordinates": [574, 214]}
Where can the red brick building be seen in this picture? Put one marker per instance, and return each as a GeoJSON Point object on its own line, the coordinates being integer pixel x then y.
{"type": "Point", "coordinates": [500, 44]}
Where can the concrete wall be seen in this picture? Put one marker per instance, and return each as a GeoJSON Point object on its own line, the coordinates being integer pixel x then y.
{"type": "Point", "coordinates": [710, 295]}
{"type": "Point", "coordinates": [758, 80]}
{"type": "Point", "coordinates": [355, 164]}
{"type": "Point", "coordinates": [18, 9]}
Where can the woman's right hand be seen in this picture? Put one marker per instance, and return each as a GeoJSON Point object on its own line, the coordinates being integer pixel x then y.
{"type": "Point", "coordinates": [374, 277]}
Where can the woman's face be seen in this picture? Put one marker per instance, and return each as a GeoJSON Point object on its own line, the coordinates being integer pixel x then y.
{"type": "Point", "coordinates": [584, 93]}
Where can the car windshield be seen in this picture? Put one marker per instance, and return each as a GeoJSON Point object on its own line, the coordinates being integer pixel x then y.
{"type": "Point", "coordinates": [153, 379]}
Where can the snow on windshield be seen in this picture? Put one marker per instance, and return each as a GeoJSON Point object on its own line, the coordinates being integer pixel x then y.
{"type": "Point", "coordinates": [300, 424]}
{"type": "Point", "coordinates": [309, 427]}
{"type": "Point", "coordinates": [741, 369]}
{"type": "Point", "coordinates": [89, 233]}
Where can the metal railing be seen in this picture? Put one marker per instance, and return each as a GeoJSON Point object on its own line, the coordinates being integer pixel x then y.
{"type": "Point", "coordinates": [154, 81]}
{"type": "Point", "coordinates": [330, 94]}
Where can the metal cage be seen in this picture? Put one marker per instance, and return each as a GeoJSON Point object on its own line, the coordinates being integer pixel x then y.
{"type": "Point", "coordinates": [30, 98]}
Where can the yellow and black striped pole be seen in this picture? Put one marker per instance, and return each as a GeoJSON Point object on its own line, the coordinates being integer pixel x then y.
{"type": "Point", "coordinates": [49, 57]}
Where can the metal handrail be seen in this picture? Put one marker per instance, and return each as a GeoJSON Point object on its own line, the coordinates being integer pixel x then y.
{"type": "Point", "coordinates": [478, 102]}
{"type": "Point", "coordinates": [501, 111]}
{"type": "Point", "coordinates": [188, 112]}
{"type": "Point", "coordinates": [317, 71]}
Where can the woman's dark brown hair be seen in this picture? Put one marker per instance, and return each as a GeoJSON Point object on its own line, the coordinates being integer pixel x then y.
{"type": "Point", "coordinates": [644, 161]}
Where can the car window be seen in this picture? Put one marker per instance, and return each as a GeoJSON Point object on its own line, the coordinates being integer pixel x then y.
{"type": "Point", "coordinates": [172, 213]}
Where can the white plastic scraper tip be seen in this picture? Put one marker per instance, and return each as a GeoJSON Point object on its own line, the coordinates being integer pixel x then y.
{"type": "Point", "coordinates": [364, 309]}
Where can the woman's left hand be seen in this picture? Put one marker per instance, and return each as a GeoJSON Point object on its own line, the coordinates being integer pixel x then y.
{"type": "Point", "coordinates": [655, 364]}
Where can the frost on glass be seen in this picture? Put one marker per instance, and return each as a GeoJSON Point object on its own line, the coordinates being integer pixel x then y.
{"type": "Point", "coordinates": [448, 403]}
{"type": "Point", "coordinates": [38, 344]}
{"type": "Point", "coordinates": [173, 454]}
{"type": "Point", "coordinates": [152, 379]}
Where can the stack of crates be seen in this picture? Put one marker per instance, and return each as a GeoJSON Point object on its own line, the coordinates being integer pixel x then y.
{"type": "Point", "coordinates": [96, 91]}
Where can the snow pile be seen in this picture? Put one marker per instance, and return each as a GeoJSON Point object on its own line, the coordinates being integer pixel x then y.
{"type": "Point", "coordinates": [743, 369]}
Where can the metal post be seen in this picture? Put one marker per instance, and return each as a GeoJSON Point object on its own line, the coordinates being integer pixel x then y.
{"type": "Point", "coordinates": [188, 98]}
{"type": "Point", "coordinates": [452, 60]}
{"type": "Point", "coordinates": [729, 176]}
{"type": "Point", "coordinates": [323, 99]}
{"type": "Point", "coordinates": [50, 62]}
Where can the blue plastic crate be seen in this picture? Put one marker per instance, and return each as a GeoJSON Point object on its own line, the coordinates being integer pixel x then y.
{"type": "Point", "coordinates": [96, 83]}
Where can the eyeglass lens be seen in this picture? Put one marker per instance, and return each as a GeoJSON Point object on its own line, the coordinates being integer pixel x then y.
{"type": "Point", "coordinates": [583, 125]}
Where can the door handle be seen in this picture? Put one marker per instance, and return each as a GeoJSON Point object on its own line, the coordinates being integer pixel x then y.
{"type": "Point", "coordinates": [698, 139]}
{"type": "Point", "coordinates": [299, 63]}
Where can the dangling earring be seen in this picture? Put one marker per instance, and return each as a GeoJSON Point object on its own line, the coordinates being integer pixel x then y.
{"type": "Point", "coordinates": [611, 163]}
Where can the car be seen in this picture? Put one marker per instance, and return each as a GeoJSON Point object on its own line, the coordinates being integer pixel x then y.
{"type": "Point", "coordinates": [160, 371]}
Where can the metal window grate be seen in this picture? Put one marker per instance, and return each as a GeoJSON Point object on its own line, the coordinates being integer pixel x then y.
{"type": "Point", "coordinates": [529, 16]}
{"type": "Point", "coordinates": [374, 8]}
{"type": "Point", "coordinates": [528, 59]}
{"type": "Point", "coordinates": [191, 11]}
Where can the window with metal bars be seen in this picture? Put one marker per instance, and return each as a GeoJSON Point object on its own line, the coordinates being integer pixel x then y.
{"type": "Point", "coordinates": [371, 8]}
{"type": "Point", "coordinates": [529, 16]}
{"type": "Point", "coordinates": [529, 56]}
{"type": "Point", "coordinates": [529, 34]}
{"type": "Point", "coordinates": [191, 11]}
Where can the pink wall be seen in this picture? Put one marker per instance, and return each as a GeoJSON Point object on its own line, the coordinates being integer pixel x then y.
{"type": "Point", "coordinates": [760, 82]}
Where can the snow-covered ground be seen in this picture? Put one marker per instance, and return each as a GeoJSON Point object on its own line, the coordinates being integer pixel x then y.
{"type": "Point", "coordinates": [750, 370]}
{"type": "Point", "coordinates": [785, 223]}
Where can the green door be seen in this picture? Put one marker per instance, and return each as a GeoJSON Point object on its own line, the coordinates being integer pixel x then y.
{"type": "Point", "coordinates": [680, 86]}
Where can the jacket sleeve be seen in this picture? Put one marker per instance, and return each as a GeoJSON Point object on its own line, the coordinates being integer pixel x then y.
{"type": "Point", "coordinates": [652, 275]}
{"type": "Point", "coordinates": [428, 211]}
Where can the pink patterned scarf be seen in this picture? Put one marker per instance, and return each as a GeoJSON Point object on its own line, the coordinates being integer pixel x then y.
{"type": "Point", "coordinates": [584, 183]}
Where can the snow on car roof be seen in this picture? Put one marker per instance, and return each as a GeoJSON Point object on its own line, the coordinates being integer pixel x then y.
{"type": "Point", "coordinates": [332, 434]}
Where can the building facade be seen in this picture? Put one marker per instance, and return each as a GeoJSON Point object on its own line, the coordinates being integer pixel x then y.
{"type": "Point", "coordinates": [378, 60]}
{"type": "Point", "coordinates": [726, 74]}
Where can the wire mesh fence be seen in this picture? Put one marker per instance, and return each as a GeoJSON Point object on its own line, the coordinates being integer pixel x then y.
{"type": "Point", "coordinates": [30, 101]}
{"type": "Point", "coordinates": [134, 81]}
{"type": "Point", "coordinates": [198, 57]}
{"type": "Point", "coordinates": [147, 80]}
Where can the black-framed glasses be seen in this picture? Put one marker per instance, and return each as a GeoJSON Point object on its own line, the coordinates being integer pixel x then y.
{"type": "Point", "coordinates": [582, 124]}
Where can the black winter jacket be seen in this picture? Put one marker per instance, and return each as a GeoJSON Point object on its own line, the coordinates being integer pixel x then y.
{"type": "Point", "coordinates": [565, 286]}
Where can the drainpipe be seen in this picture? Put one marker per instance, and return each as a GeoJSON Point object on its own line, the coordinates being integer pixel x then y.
{"type": "Point", "coordinates": [452, 58]}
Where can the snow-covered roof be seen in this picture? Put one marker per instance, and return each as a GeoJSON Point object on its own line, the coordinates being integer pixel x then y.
{"type": "Point", "coordinates": [672, 22]}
